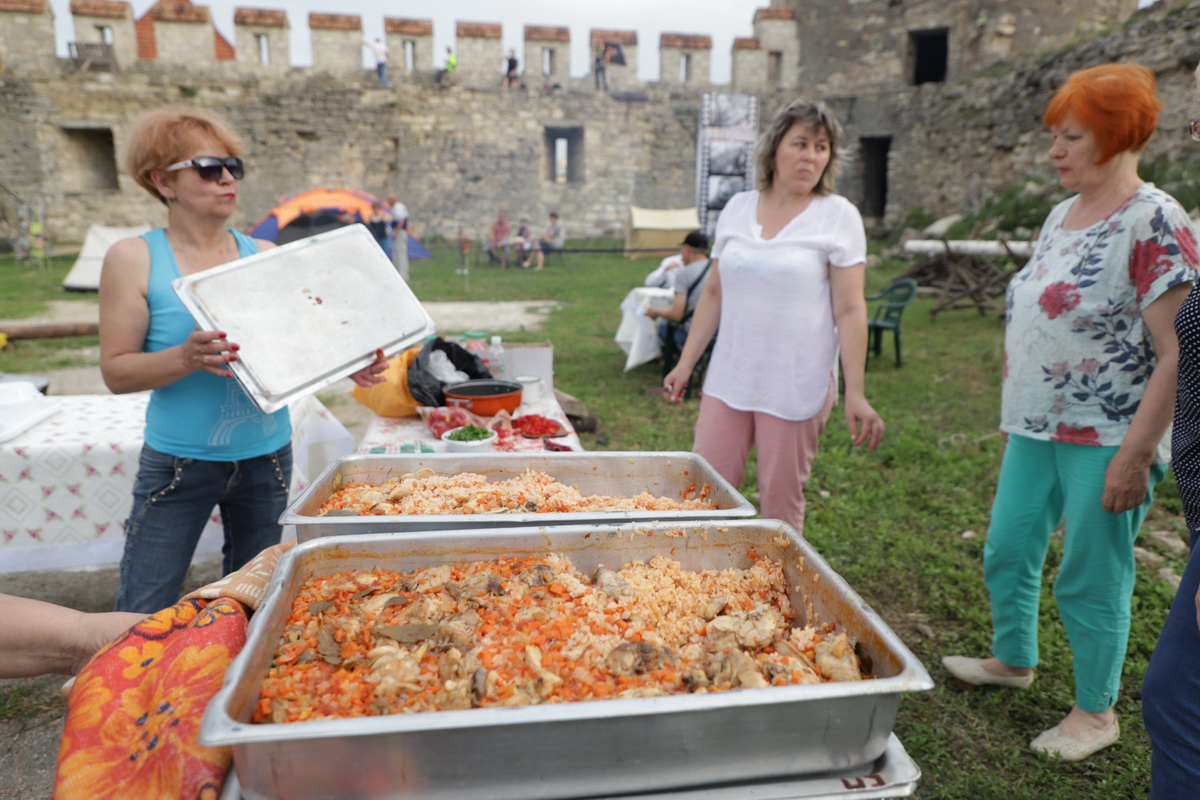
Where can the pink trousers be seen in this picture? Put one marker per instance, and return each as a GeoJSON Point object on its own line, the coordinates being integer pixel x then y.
{"type": "Point", "coordinates": [785, 452]}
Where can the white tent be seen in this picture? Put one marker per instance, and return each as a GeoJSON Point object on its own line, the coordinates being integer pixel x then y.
{"type": "Point", "coordinates": [85, 273]}
{"type": "Point", "coordinates": [654, 233]}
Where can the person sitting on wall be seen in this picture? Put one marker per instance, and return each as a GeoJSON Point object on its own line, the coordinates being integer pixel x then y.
{"type": "Point", "coordinates": [551, 241]}
{"type": "Point", "coordinates": [497, 249]}
{"type": "Point", "coordinates": [687, 282]}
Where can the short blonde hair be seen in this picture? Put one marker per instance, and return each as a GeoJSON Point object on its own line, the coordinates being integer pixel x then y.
{"type": "Point", "coordinates": [815, 116]}
{"type": "Point", "coordinates": [164, 136]}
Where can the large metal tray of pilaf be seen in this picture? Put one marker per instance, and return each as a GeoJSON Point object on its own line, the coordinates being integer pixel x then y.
{"type": "Point", "coordinates": [675, 476]}
{"type": "Point", "coordinates": [553, 750]}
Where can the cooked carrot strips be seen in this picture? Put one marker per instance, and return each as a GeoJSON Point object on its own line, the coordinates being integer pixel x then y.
{"type": "Point", "coordinates": [529, 629]}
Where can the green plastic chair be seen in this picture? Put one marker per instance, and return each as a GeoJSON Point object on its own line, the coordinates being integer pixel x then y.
{"type": "Point", "coordinates": [896, 297]}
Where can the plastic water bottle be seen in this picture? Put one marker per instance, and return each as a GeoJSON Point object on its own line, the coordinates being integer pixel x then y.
{"type": "Point", "coordinates": [496, 360]}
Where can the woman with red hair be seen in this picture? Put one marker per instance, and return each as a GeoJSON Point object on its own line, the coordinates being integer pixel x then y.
{"type": "Point", "coordinates": [1091, 361]}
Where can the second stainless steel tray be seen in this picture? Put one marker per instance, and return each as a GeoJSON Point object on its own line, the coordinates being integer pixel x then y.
{"type": "Point", "coordinates": [306, 314]}
{"type": "Point", "coordinates": [624, 474]}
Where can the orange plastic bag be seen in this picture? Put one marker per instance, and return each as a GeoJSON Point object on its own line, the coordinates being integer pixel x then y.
{"type": "Point", "coordinates": [391, 398]}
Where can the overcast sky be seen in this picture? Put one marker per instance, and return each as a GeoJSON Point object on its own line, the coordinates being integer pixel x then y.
{"type": "Point", "coordinates": [720, 19]}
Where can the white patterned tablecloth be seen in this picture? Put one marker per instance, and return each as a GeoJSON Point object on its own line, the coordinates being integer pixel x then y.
{"type": "Point", "coordinates": [66, 484]}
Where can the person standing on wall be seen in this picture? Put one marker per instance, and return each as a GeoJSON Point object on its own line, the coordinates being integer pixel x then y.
{"type": "Point", "coordinates": [786, 289]}
{"type": "Point", "coordinates": [510, 70]}
{"type": "Point", "coordinates": [379, 50]}
{"type": "Point", "coordinates": [600, 65]}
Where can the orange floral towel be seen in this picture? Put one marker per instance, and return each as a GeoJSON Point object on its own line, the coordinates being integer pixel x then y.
{"type": "Point", "coordinates": [135, 709]}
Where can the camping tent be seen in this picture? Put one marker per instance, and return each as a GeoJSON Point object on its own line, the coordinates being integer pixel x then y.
{"type": "Point", "coordinates": [85, 272]}
{"type": "Point", "coordinates": [654, 233]}
{"type": "Point", "coordinates": [319, 210]}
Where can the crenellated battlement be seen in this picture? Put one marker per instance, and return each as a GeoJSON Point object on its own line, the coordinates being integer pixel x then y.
{"type": "Point", "coordinates": [882, 42]}
{"type": "Point", "coordinates": [179, 31]}
{"type": "Point", "coordinates": [926, 124]}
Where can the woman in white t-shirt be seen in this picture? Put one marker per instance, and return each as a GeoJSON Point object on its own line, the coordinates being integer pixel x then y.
{"type": "Point", "coordinates": [786, 291]}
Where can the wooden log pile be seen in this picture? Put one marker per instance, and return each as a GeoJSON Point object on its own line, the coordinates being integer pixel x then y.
{"type": "Point", "coordinates": [966, 277]}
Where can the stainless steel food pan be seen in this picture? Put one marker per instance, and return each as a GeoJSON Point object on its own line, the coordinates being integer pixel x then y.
{"type": "Point", "coordinates": [666, 474]}
{"type": "Point", "coordinates": [570, 750]}
{"type": "Point", "coordinates": [307, 313]}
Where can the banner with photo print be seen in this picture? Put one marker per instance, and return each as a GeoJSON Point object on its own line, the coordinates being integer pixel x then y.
{"type": "Point", "coordinates": [724, 152]}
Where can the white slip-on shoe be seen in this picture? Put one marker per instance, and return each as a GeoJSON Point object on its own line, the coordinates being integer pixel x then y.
{"type": "Point", "coordinates": [1053, 742]}
{"type": "Point", "coordinates": [970, 670]}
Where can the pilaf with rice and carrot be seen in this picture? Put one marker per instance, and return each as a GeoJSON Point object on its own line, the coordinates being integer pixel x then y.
{"type": "Point", "coordinates": [532, 629]}
{"type": "Point", "coordinates": [533, 491]}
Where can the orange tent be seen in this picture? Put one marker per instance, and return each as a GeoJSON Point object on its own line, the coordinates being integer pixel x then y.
{"type": "Point", "coordinates": [312, 212]}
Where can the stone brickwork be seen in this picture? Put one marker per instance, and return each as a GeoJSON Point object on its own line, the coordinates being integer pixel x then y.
{"type": "Point", "coordinates": [880, 42]}
{"type": "Point", "coordinates": [414, 33]}
{"type": "Point", "coordinates": [547, 56]}
{"type": "Point", "coordinates": [480, 57]}
{"type": "Point", "coordinates": [460, 153]}
{"type": "Point", "coordinates": [337, 43]}
{"type": "Point", "coordinates": [262, 41]}
{"type": "Point", "coordinates": [956, 145]}
{"type": "Point", "coordinates": [775, 33]}
{"type": "Point", "coordinates": [685, 60]}
{"type": "Point", "coordinates": [26, 35]}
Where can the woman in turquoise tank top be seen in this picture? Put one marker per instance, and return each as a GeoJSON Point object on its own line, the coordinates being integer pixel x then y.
{"type": "Point", "coordinates": [207, 444]}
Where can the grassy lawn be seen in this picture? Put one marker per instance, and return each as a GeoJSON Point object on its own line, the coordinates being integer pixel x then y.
{"type": "Point", "coordinates": [904, 525]}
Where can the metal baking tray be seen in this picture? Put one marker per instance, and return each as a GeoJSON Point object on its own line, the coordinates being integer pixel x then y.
{"type": "Point", "coordinates": [570, 750]}
{"type": "Point", "coordinates": [307, 313]}
{"type": "Point", "coordinates": [664, 474]}
{"type": "Point", "coordinates": [893, 775]}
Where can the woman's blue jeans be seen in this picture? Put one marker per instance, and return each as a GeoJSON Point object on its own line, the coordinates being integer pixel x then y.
{"type": "Point", "coordinates": [172, 501]}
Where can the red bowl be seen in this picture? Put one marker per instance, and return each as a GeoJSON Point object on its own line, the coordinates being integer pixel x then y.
{"type": "Point", "coordinates": [484, 397]}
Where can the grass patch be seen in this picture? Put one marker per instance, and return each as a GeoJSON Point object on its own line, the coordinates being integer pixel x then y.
{"type": "Point", "coordinates": [904, 525]}
{"type": "Point", "coordinates": [27, 698]}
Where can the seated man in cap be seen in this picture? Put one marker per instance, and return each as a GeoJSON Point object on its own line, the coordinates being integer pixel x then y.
{"type": "Point", "coordinates": [687, 282]}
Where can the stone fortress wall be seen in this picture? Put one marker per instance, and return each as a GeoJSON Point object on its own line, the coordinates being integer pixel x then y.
{"type": "Point", "coordinates": [941, 100]}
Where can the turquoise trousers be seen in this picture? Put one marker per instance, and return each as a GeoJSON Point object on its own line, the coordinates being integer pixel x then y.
{"type": "Point", "coordinates": [1042, 484]}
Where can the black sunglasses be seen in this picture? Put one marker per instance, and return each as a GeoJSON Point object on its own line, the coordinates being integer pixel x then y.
{"type": "Point", "coordinates": [209, 167]}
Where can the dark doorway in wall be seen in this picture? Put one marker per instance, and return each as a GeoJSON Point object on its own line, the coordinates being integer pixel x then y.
{"type": "Point", "coordinates": [928, 54]}
{"type": "Point", "coordinates": [873, 151]}
{"type": "Point", "coordinates": [564, 154]}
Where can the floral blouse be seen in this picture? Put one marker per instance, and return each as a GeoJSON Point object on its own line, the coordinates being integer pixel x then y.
{"type": "Point", "coordinates": [1078, 353]}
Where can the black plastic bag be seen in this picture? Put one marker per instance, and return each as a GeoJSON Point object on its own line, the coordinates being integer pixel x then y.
{"type": "Point", "coordinates": [425, 387]}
